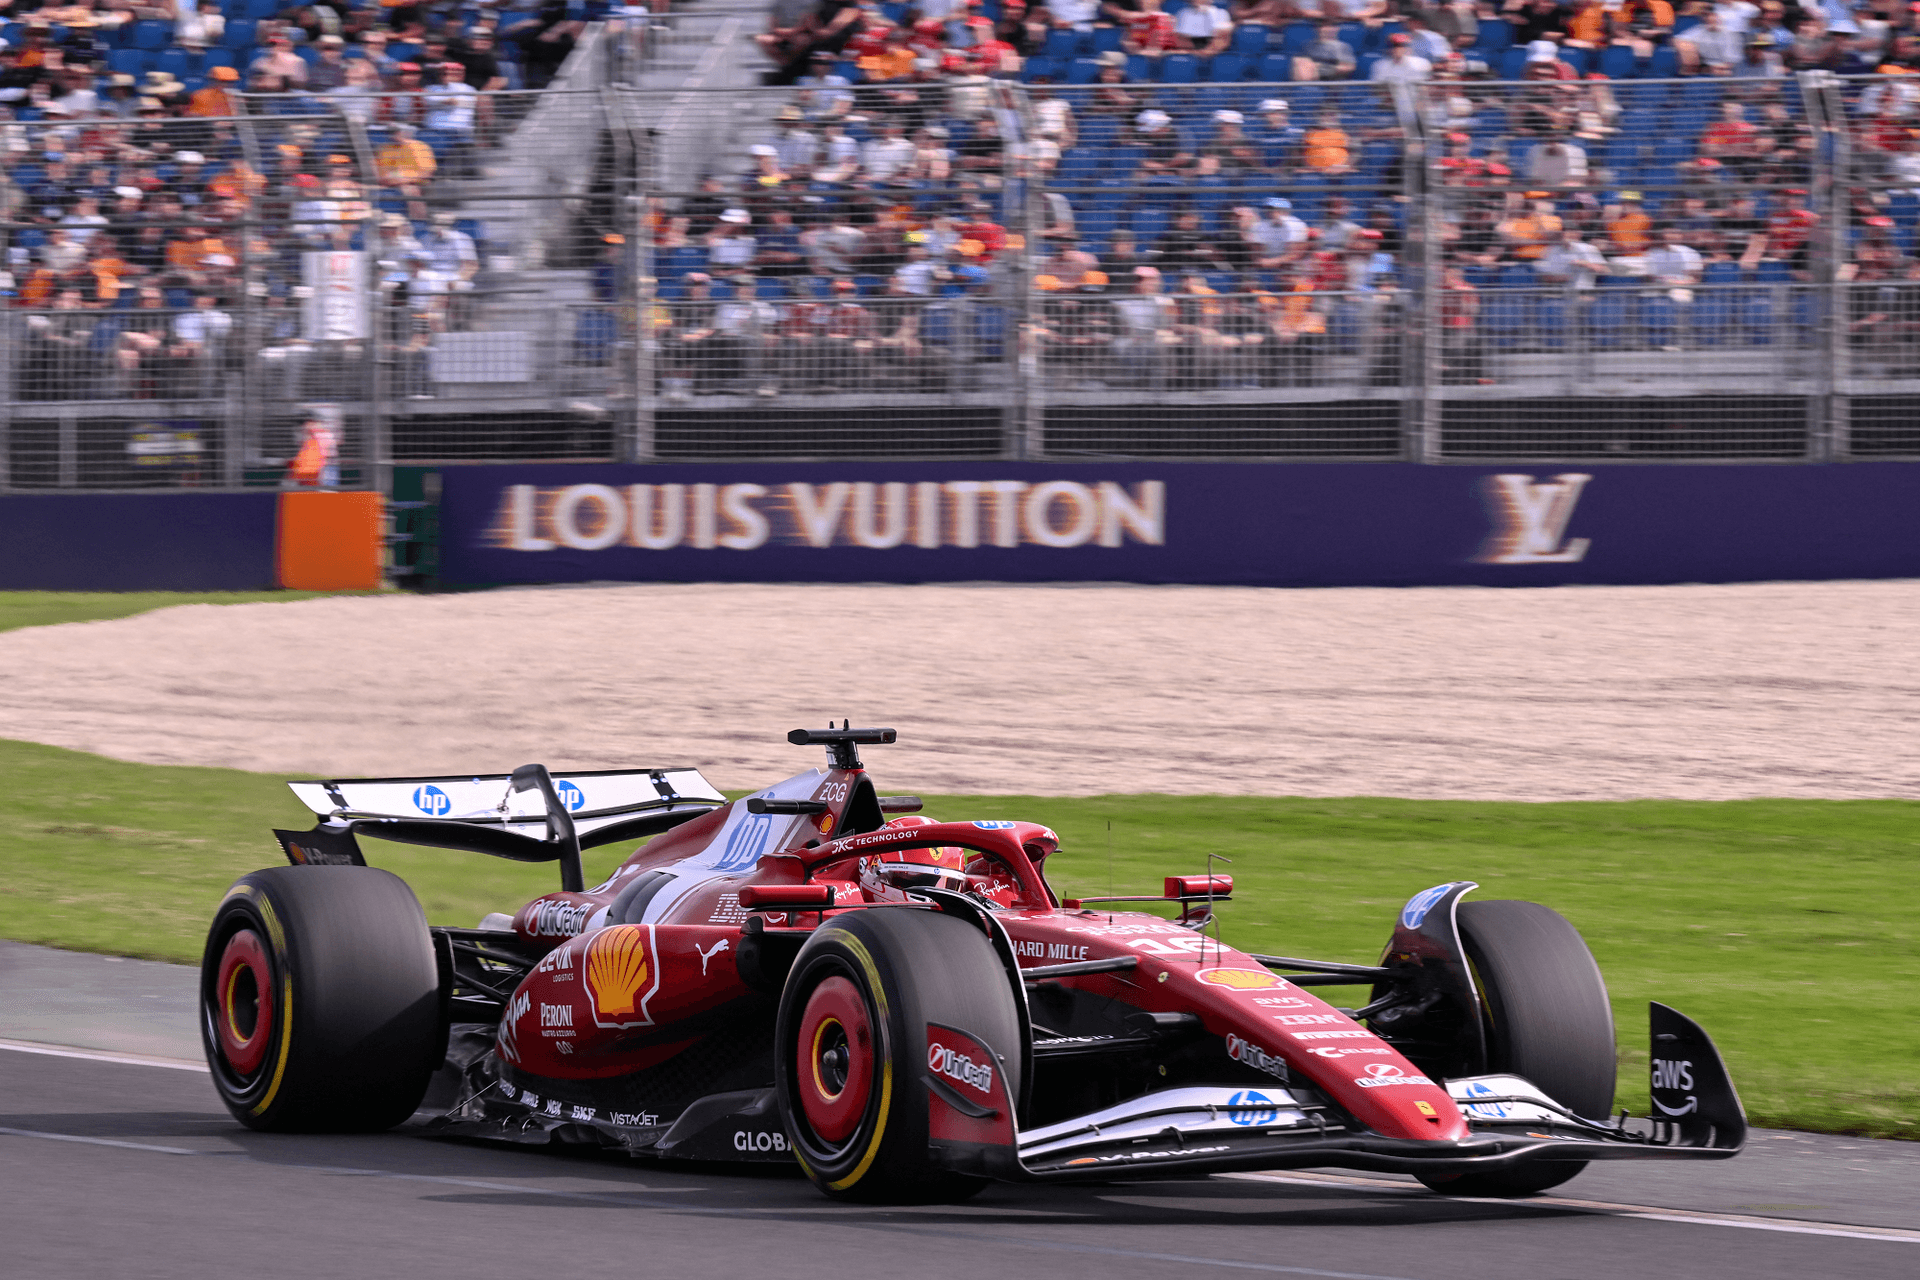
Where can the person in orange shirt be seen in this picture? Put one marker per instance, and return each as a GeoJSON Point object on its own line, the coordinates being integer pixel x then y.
{"type": "Point", "coordinates": [1531, 229]}
{"type": "Point", "coordinates": [1586, 24]}
{"type": "Point", "coordinates": [1629, 228]}
{"type": "Point", "coordinates": [1326, 148]}
{"type": "Point", "coordinates": [214, 100]}
{"type": "Point", "coordinates": [237, 183]}
{"type": "Point", "coordinates": [1641, 24]}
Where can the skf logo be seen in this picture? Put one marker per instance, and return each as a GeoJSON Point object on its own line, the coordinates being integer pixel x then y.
{"type": "Point", "coordinates": [1530, 520]}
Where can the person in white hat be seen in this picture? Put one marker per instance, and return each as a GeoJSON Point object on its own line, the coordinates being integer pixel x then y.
{"type": "Point", "coordinates": [731, 246]}
{"type": "Point", "coordinates": [1166, 151]}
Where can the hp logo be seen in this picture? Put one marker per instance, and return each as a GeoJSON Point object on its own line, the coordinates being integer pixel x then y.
{"type": "Point", "coordinates": [570, 796]}
{"type": "Point", "coordinates": [1252, 1098]}
{"type": "Point", "coordinates": [432, 801]}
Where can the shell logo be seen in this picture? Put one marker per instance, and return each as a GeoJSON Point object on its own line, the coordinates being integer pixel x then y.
{"type": "Point", "coordinates": [622, 971]}
{"type": "Point", "coordinates": [1240, 979]}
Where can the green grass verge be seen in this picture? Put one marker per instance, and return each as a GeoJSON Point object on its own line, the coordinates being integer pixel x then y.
{"type": "Point", "coordinates": [1786, 927]}
{"type": "Point", "coordinates": [44, 608]}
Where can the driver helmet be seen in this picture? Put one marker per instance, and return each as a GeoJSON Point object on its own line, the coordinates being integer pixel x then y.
{"type": "Point", "coordinates": [939, 867]}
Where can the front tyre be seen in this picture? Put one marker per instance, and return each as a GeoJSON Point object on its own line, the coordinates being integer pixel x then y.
{"type": "Point", "coordinates": [320, 1000]}
{"type": "Point", "coordinates": [850, 1058]}
{"type": "Point", "coordinates": [1548, 1020]}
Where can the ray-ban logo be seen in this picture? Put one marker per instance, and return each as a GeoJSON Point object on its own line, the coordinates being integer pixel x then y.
{"type": "Point", "coordinates": [1530, 520]}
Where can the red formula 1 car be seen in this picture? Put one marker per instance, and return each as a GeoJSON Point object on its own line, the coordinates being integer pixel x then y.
{"type": "Point", "coordinates": [904, 1006]}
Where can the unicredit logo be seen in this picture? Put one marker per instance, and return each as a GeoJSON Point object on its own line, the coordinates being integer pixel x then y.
{"type": "Point", "coordinates": [957, 1066]}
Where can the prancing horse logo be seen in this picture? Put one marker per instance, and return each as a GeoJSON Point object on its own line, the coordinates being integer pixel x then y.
{"type": "Point", "coordinates": [1530, 519]}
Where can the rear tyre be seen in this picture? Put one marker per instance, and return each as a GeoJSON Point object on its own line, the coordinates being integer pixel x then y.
{"type": "Point", "coordinates": [320, 1000]}
{"type": "Point", "coordinates": [851, 1047]}
{"type": "Point", "coordinates": [1548, 1020]}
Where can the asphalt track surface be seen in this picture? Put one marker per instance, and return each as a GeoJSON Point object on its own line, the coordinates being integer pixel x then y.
{"type": "Point", "coordinates": [118, 1161]}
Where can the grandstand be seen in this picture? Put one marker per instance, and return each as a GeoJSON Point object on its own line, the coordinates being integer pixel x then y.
{"type": "Point", "coordinates": [576, 232]}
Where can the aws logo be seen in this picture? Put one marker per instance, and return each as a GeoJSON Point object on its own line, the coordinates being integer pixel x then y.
{"type": "Point", "coordinates": [1530, 520]}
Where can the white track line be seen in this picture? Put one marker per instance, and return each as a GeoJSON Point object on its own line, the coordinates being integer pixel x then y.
{"type": "Point", "coordinates": [1652, 1213]}
{"type": "Point", "coordinates": [1649, 1212]}
{"type": "Point", "coordinates": [102, 1055]}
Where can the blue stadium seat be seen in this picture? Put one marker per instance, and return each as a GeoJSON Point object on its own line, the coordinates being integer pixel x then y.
{"type": "Point", "coordinates": [1083, 70]}
{"type": "Point", "coordinates": [1061, 42]}
{"type": "Point", "coordinates": [1494, 38]}
{"type": "Point", "coordinates": [1039, 68]}
{"type": "Point", "coordinates": [212, 58]}
{"type": "Point", "coordinates": [1665, 63]}
{"type": "Point", "coordinates": [1298, 35]}
{"type": "Point", "coordinates": [174, 62]}
{"type": "Point", "coordinates": [1226, 68]}
{"type": "Point", "coordinates": [1513, 63]}
{"type": "Point", "coordinates": [149, 34]}
{"type": "Point", "coordinates": [1179, 68]}
{"type": "Point", "coordinates": [240, 34]}
{"type": "Point", "coordinates": [1610, 319]}
{"type": "Point", "coordinates": [1250, 38]}
{"type": "Point", "coordinates": [1363, 65]}
{"type": "Point", "coordinates": [1141, 69]}
{"type": "Point", "coordinates": [1617, 62]}
{"type": "Point", "coordinates": [1575, 58]}
{"type": "Point", "coordinates": [1273, 68]}
{"type": "Point", "coordinates": [126, 62]}
{"type": "Point", "coordinates": [1106, 39]}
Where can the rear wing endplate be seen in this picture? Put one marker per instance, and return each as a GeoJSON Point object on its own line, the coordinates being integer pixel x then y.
{"type": "Point", "coordinates": [529, 815]}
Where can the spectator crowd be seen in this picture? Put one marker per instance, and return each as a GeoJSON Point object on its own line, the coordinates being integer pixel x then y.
{"type": "Point", "coordinates": [1136, 192]}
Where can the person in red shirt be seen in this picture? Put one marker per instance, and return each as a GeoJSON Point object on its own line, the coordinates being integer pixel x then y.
{"type": "Point", "coordinates": [1733, 140]}
{"type": "Point", "coordinates": [989, 55]}
{"type": "Point", "coordinates": [1790, 231]}
{"type": "Point", "coordinates": [1149, 31]}
{"type": "Point", "coordinates": [984, 231]}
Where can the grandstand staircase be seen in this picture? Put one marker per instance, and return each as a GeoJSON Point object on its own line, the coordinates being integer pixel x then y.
{"type": "Point", "coordinates": [528, 195]}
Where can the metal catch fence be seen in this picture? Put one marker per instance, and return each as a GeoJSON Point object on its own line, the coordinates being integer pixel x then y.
{"type": "Point", "coordinates": [1702, 268]}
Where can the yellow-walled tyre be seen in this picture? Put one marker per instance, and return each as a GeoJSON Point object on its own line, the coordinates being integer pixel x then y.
{"type": "Point", "coordinates": [850, 1056]}
{"type": "Point", "coordinates": [320, 1000]}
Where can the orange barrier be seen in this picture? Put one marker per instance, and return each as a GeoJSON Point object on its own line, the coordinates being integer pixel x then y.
{"type": "Point", "coordinates": [330, 541]}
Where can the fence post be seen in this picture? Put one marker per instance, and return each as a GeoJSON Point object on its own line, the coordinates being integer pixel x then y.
{"type": "Point", "coordinates": [1833, 159]}
{"type": "Point", "coordinates": [1425, 257]}
{"type": "Point", "coordinates": [1027, 430]}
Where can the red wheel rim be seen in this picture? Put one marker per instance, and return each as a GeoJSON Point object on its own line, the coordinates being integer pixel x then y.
{"type": "Point", "coordinates": [836, 1059]}
{"type": "Point", "coordinates": [243, 995]}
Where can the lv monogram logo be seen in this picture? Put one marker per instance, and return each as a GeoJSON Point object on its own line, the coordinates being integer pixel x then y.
{"type": "Point", "coordinates": [1530, 520]}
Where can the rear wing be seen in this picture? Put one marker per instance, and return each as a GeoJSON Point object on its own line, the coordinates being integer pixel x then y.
{"type": "Point", "coordinates": [529, 815]}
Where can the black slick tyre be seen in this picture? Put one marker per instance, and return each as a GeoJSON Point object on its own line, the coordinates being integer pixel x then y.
{"type": "Point", "coordinates": [850, 1057]}
{"type": "Point", "coordinates": [320, 1000]}
{"type": "Point", "coordinates": [1548, 1020]}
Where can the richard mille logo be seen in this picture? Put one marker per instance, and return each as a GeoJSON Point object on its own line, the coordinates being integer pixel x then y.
{"type": "Point", "coordinates": [1530, 520]}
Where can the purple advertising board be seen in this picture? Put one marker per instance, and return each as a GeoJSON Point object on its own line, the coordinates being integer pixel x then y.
{"type": "Point", "coordinates": [138, 541]}
{"type": "Point", "coordinates": [1256, 524]}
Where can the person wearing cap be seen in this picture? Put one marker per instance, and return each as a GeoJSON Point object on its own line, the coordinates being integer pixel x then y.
{"type": "Point", "coordinates": [1148, 330]}
{"type": "Point", "coordinates": [731, 245]}
{"type": "Point", "coordinates": [215, 99]}
{"type": "Point", "coordinates": [1629, 229]}
{"type": "Point", "coordinates": [1760, 61]}
{"type": "Point", "coordinates": [1530, 226]}
{"type": "Point", "coordinates": [1401, 65]}
{"type": "Point", "coordinates": [1277, 237]}
{"type": "Point", "coordinates": [451, 104]}
{"type": "Point", "coordinates": [1165, 150]}
{"type": "Point", "coordinates": [329, 69]}
{"type": "Point", "coordinates": [1230, 146]}
{"type": "Point", "coordinates": [1273, 131]}
{"type": "Point", "coordinates": [279, 60]}
{"type": "Point", "coordinates": [767, 173]}
{"type": "Point", "coordinates": [406, 165]}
